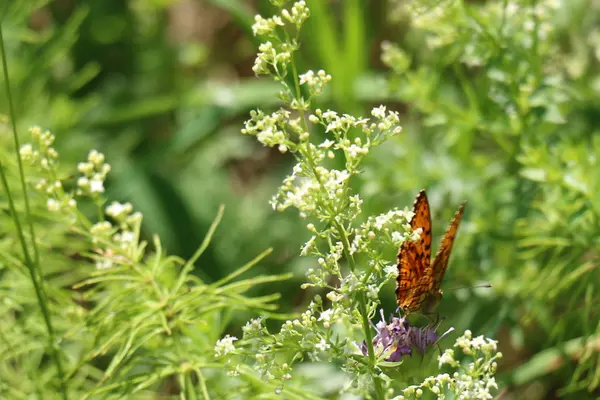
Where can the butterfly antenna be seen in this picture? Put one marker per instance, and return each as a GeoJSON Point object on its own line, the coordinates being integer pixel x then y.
{"type": "Point", "coordinates": [485, 285]}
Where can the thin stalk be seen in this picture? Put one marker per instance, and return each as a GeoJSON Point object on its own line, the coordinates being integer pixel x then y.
{"type": "Point", "coordinates": [202, 382]}
{"type": "Point", "coordinates": [362, 308]}
{"type": "Point", "coordinates": [33, 265]}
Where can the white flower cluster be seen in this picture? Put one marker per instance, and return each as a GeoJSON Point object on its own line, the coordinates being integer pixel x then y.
{"type": "Point", "coordinates": [297, 14]}
{"type": "Point", "coordinates": [267, 26]}
{"type": "Point", "coordinates": [271, 59]}
{"type": "Point", "coordinates": [275, 54]}
{"type": "Point", "coordinates": [521, 23]}
{"type": "Point", "coordinates": [302, 336]}
{"type": "Point", "coordinates": [315, 82]}
{"type": "Point", "coordinates": [118, 243]}
{"type": "Point", "coordinates": [272, 130]}
{"type": "Point", "coordinates": [474, 378]}
{"type": "Point", "coordinates": [392, 227]}
{"type": "Point", "coordinates": [122, 240]}
{"type": "Point", "coordinates": [375, 132]}
{"type": "Point", "coordinates": [46, 157]}
{"type": "Point", "coordinates": [94, 172]}
{"type": "Point", "coordinates": [42, 155]}
{"type": "Point", "coordinates": [225, 346]}
{"type": "Point", "coordinates": [321, 191]}
{"type": "Point", "coordinates": [323, 188]}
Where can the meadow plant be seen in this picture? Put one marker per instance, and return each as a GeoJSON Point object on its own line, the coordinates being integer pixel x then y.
{"type": "Point", "coordinates": [351, 251]}
{"type": "Point", "coordinates": [504, 88]}
{"type": "Point", "coordinates": [125, 319]}
{"type": "Point", "coordinates": [141, 315]}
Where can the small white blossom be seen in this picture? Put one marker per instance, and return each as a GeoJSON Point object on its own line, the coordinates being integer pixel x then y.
{"type": "Point", "coordinates": [334, 296]}
{"type": "Point", "coordinates": [225, 346]}
{"type": "Point", "coordinates": [447, 358]}
{"type": "Point", "coordinates": [96, 186]}
{"type": "Point", "coordinates": [26, 152]}
{"type": "Point", "coordinates": [118, 210]}
{"type": "Point", "coordinates": [322, 345]}
{"type": "Point", "coordinates": [53, 205]}
{"type": "Point", "coordinates": [378, 112]}
{"type": "Point", "coordinates": [326, 317]}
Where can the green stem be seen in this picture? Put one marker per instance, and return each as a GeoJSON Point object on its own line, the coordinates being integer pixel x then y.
{"type": "Point", "coordinates": [32, 265]}
{"type": "Point", "coordinates": [362, 308]}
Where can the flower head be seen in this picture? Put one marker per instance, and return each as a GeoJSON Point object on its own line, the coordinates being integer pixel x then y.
{"type": "Point", "coordinates": [398, 338]}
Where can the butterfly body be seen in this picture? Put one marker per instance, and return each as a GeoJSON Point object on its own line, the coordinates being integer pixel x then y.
{"type": "Point", "coordinates": [419, 280]}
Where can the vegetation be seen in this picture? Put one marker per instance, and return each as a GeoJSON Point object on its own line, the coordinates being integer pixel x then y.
{"type": "Point", "coordinates": [170, 262]}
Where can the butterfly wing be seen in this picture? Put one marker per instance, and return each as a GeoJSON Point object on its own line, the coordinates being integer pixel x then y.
{"type": "Point", "coordinates": [440, 263]}
{"type": "Point", "coordinates": [414, 270]}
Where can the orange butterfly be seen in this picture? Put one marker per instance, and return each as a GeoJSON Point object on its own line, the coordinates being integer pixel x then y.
{"type": "Point", "coordinates": [418, 281]}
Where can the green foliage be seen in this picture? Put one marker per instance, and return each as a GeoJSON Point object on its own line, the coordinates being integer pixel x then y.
{"type": "Point", "coordinates": [498, 101]}
{"type": "Point", "coordinates": [126, 320]}
{"type": "Point", "coordinates": [503, 107]}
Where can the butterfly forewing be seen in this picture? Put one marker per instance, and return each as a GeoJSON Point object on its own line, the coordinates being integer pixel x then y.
{"type": "Point", "coordinates": [414, 270]}
{"type": "Point", "coordinates": [440, 264]}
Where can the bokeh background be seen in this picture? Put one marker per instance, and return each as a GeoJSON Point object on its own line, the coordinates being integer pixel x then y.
{"type": "Point", "coordinates": [504, 119]}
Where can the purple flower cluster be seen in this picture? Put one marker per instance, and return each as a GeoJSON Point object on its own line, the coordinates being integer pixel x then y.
{"type": "Point", "coordinates": [400, 338]}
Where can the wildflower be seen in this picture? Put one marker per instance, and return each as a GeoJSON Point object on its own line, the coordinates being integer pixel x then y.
{"type": "Point", "coordinates": [316, 82]}
{"type": "Point", "coordinates": [322, 345]}
{"type": "Point", "coordinates": [26, 152]}
{"type": "Point", "coordinates": [327, 317]}
{"type": "Point", "coordinates": [225, 346]}
{"type": "Point", "coordinates": [398, 338]}
{"type": "Point", "coordinates": [118, 210]}
{"type": "Point", "coordinates": [96, 186]}
{"type": "Point", "coordinates": [333, 296]}
{"type": "Point", "coordinates": [53, 205]}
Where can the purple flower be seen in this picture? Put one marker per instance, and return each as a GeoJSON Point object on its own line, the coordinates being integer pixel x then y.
{"type": "Point", "coordinates": [398, 338]}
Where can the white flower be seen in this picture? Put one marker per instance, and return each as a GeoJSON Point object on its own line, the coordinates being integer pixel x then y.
{"type": "Point", "coordinates": [334, 296]}
{"type": "Point", "coordinates": [26, 152]}
{"type": "Point", "coordinates": [53, 205]}
{"type": "Point", "coordinates": [329, 114]}
{"type": "Point", "coordinates": [117, 210]}
{"type": "Point", "coordinates": [397, 237]}
{"type": "Point", "coordinates": [478, 342]}
{"type": "Point", "coordinates": [86, 168]}
{"type": "Point", "coordinates": [326, 317]}
{"type": "Point", "coordinates": [100, 228]}
{"type": "Point", "coordinates": [391, 270]}
{"type": "Point", "coordinates": [322, 345]}
{"type": "Point", "coordinates": [447, 358]}
{"type": "Point", "coordinates": [307, 77]}
{"type": "Point", "coordinates": [326, 144]}
{"type": "Point", "coordinates": [96, 186]}
{"type": "Point", "coordinates": [309, 245]}
{"type": "Point", "coordinates": [127, 237]}
{"type": "Point", "coordinates": [95, 157]}
{"type": "Point", "coordinates": [225, 346]}
{"type": "Point", "coordinates": [378, 112]}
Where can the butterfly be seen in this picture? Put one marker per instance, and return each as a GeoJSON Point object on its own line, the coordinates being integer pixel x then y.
{"type": "Point", "coordinates": [418, 280]}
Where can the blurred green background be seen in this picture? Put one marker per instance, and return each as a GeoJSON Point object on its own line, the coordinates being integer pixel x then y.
{"type": "Point", "coordinates": [491, 116]}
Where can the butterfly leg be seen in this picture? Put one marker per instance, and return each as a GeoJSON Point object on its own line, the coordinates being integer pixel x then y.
{"type": "Point", "coordinates": [430, 316]}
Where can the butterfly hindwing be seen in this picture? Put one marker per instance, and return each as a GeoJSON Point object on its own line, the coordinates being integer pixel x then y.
{"type": "Point", "coordinates": [440, 263]}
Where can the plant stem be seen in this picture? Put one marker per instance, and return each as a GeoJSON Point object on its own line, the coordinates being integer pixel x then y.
{"type": "Point", "coordinates": [33, 265]}
{"type": "Point", "coordinates": [362, 308]}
